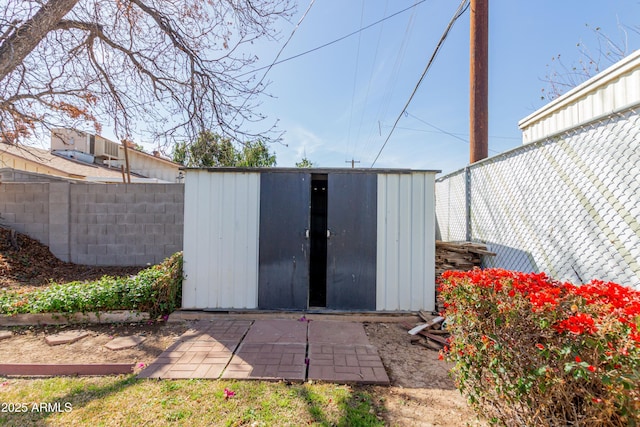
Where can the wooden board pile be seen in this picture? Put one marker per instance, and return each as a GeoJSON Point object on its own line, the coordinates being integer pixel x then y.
{"type": "Point", "coordinates": [429, 334]}
{"type": "Point", "coordinates": [459, 256]}
{"type": "Point", "coordinates": [449, 256]}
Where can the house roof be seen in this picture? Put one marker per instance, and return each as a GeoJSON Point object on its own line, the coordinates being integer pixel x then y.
{"type": "Point", "coordinates": [65, 167]}
{"type": "Point", "coordinates": [160, 159]}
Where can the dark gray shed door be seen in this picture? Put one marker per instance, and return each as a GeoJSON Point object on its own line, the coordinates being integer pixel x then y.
{"type": "Point", "coordinates": [351, 249]}
{"type": "Point", "coordinates": [284, 250]}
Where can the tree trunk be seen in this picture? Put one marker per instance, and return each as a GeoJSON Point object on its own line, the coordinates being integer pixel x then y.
{"type": "Point", "coordinates": [26, 37]}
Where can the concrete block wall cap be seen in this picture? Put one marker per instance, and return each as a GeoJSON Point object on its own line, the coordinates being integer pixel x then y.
{"type": "Point", "coordinates": [50, 370]}
{"type": "Point", "coordinates": [118, 316]}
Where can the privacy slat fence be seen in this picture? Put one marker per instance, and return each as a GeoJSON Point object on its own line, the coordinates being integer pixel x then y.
{"type": "Point", "coordinates": [568, 204]}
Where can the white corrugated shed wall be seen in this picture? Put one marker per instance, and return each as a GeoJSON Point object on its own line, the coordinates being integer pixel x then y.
{"type": "Point", "coordinates": [405, 278]}
{"type": "Point", "coordinates": [615, 89]}
{"type": "Point", "coordinates": [221, 245]}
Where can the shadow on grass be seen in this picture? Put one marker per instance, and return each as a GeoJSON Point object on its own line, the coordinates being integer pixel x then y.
{"type": "Point", "coordinates": [358, 408]}
{"type": "Point", "coordinates": [76, 397]}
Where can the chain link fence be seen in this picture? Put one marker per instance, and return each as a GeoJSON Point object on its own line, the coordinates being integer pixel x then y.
{"type": "Point", "coordinates": [568, 205]}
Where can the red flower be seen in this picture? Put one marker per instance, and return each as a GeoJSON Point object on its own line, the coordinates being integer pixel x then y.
{"type": "Point", "coordinates": [591, 368]}
{"type": "Point", "coordinates": [545, 297]}
{"type": "Point", "coordinates": [577, 324]}
{"type": "Point", "coordinates": [540, 346]}
{"type": "Point", "coordinates": [578, 360]}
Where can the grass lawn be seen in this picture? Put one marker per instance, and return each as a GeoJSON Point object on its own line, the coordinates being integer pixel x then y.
{"type": "Point", "coordinates": [126, 400]}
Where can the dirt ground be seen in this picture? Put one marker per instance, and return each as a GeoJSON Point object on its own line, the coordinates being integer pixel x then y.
{"type": "Point", "coordinates": [421, 392]}
{"type": "Point", "coordinates": [27, 345]}
{"type": "Point", "coordinates": [32, 265]}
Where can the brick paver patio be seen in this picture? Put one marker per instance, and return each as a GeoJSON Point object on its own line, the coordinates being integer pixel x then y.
{"type": "Point", "coordinates": [202, 352]}
{"type": "Point", "coordinates": [340, 352]}
{"type": "Point", "coordinates": [272, 349]}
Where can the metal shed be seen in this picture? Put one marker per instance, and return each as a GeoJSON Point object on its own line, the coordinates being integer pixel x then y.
{"type": "Point", "coordinates": [300, 239]}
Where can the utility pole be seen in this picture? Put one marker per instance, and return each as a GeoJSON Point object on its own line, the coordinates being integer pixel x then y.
{"type": "Point", "coordinates": [479, 81]}
{"type": "Point", "coordinates": [125, 146]}
{"type": "Point", "coordinates": [353, 162]}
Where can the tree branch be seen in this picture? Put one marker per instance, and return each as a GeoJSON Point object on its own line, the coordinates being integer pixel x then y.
{"type": "Point", "coordinates": [25, 38]}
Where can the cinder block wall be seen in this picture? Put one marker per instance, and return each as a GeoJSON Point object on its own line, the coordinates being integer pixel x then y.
{"type": "Point", "coordinates": [98, 224]}
{"type": "Point", "coordinates": [25, 208]}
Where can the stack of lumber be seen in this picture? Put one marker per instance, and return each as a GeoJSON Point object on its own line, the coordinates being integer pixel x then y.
{"type": "Point", "coordinates": [459, 256]}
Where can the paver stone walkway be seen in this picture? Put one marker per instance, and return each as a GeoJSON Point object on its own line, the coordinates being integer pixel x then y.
{"type": "Point", "coordinates": [202, 352]}
{"type": "Point", "coordinates": [272, 349]}
{"type": "Point", "coordinates": [340, 352]}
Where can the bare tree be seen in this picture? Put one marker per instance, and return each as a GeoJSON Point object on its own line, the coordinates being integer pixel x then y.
{"type": "Point", "coordinates": [169, 67]}
{"type": "Point", "coordinates": [561, 77]}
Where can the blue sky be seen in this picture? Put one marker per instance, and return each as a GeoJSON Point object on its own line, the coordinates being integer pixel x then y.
{"type": "Point", "coordinates": [340, 102]}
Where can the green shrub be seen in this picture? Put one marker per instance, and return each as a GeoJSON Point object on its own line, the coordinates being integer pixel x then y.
{"type": "Point", "coordinates": [532, 351]}
{"type": "Point", "coordinates": [157, 290]}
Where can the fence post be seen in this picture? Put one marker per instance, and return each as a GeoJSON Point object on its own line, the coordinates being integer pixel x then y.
{"type": "Point", "coordinates": [467, 202]}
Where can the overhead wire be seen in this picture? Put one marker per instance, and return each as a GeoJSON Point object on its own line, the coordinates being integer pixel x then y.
{"type": "Point", "coordinates": [451, 133]}
{"type": "Point", "coordinates": [393, 80]}
{"type": "Point", "coordinates": [436, 127]}
{"type": "Point", "coordinates": [459, 12]}
{"type": "Point", "coordinates": [333, 41]}
{"type": "Point", "coordinates": [454, 134]}
{"type": "Point", "coordinates": [366, 97]}
{"type": "Point", "coordinates": [355, 79]}
{"type": "Point", "coordinates": [275, 60]}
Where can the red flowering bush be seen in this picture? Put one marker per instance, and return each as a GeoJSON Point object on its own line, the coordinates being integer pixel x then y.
{"type": "Point", "coordinates": [528, 350]}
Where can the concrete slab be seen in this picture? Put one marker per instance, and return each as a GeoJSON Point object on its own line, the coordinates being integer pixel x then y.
{"type": "Point", "coordinates": [67, 337]}
{"type": "Point", "coordinates": [261, 361]}
{"type": "Point", "coordinates": [121, 343]}
{"type": "Point", "coordinates": [346, 364]}
{"type": "Point", "coordinates": [5, 335]}
{"type": "Point", "coordinates": [331, 332]}
{"type": "Point", "coordinates": [277, 331]}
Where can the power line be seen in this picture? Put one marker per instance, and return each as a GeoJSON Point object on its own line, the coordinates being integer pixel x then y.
{"type": "Point", "coordinates": [373, 68]}
{"type": "Point", "coordinates": [275, 61]}
{"type": "Point", "coordinates": [436, 127]}
{"type": "Point", "coordinates": [333, 41]}
{"type": "Point", "coordinates": [461, 9]}
{"type": "Point", "coordinates": [269, 67]}
{"type": "Point", "coordinates": [448, 133]}
{"type": "Point", "coordinates": [453, 134]}
{"type": "Point", "coordinates": [355, 80]}
{"type": "Point", "coordinates": [392, 82]}
{"type": "Point", "coordinates": [466, 141]}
